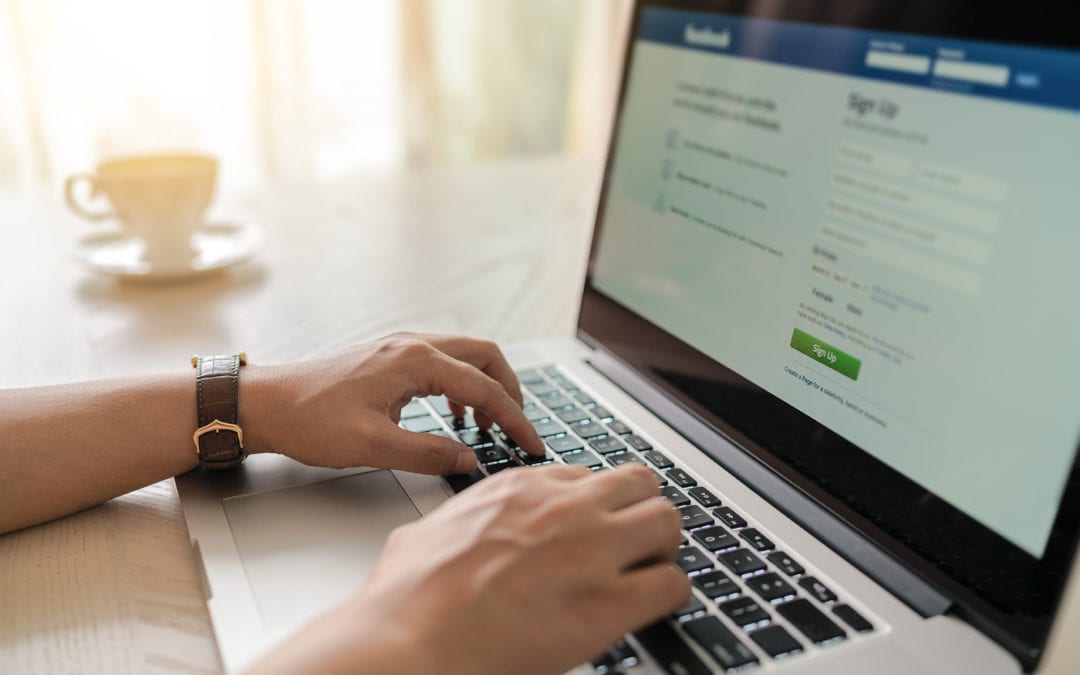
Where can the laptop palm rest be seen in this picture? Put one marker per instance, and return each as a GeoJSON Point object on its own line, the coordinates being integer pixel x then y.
{"type": "Point", "coordinates": [307, 548]}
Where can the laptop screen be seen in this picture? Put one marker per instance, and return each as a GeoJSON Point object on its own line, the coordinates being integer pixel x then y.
{"type": "Point", "coordinates": [875, 228]}
{"type": "Point", "coordinates": [871, 227]}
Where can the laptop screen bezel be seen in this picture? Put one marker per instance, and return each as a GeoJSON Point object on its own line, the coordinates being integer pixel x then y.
{"type": "Point", "coordinates": [1021, 624]}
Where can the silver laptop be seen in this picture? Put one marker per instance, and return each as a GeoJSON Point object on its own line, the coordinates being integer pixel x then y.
{"type": "Point", "coordinates": [831, 302]}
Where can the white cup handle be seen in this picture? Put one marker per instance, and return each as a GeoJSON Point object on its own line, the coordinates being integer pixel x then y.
{"type": "Point", "coordinates": [74, 205]}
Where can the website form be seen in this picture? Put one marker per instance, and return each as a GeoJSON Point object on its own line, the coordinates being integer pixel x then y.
{"type": "Point", "coordinates": [884, 236]}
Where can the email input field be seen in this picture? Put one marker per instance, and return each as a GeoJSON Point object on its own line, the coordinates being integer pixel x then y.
{"type": "Point", "coordinates": [904, 63]}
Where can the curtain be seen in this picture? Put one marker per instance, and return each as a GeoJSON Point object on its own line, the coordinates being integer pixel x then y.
{"type": "Point", "coordinates": [289, 90]}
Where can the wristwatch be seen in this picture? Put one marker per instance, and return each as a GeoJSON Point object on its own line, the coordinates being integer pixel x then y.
{"type": "Point", "coordinates": [219, 440]}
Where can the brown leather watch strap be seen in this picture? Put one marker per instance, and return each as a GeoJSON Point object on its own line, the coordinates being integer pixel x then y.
{"type": "Point", "coordinates": [219, 440]}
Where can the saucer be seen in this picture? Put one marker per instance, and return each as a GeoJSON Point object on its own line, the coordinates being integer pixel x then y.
{"type": "Point", "coordinates": [216, 246]}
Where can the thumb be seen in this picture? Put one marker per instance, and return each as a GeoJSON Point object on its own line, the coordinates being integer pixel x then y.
{"type": "Point", "coordinates": [396, 448]}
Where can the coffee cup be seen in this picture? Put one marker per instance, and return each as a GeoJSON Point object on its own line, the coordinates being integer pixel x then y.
{"type": "Point", "coordinates": [161, 199]}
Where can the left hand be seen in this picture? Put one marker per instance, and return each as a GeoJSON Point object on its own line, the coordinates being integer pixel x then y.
{"type": "Point", "coordinates": [344, 410]}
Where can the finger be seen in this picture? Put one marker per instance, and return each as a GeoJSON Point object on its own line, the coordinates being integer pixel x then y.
{"type": "Point", "coordinates": [456, 409]}
{"type": "Point", "coordinates": [649, 593]}
{"type": "Point", "coordinates": [395, 448]}
{"type": "Point", "coordinates": [624, 485]}
{"type": "Point", "coordinates": [463, 382]}
{"type": "Point", "coordinates": [482, 354]}
{"type": "Point", "coordinates": [562, 471]}
{"type": "Point", "coordinates": [482, 419]}
{"type": "Point", "coordinates": [646, 532]}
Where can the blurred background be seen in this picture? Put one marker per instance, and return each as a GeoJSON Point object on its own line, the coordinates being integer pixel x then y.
{"type": "Point", "coordinates": [285, 90]}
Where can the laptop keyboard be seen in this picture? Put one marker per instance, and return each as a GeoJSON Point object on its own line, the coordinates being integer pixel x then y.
{"type": "Point", "coordinates": [752, 602]}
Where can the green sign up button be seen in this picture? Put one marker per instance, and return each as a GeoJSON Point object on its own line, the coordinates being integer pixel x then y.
{"type": "Point", "coordinates": [824, 353]}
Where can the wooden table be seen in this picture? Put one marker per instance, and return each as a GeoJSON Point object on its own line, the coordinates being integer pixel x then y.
{"type": "Point", "coordinates": [495, 250]}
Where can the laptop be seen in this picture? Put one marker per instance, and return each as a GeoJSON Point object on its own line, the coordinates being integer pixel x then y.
{"type": "Point", "coordinates": [830, 301]}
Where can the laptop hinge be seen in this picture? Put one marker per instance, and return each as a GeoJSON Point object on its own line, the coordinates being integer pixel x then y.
{"type": "Point", "coordinates": [848, 542]}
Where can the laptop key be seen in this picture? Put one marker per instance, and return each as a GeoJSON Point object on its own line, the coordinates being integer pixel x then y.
{"type": "Point", "coordinates": [608, 444]}
{"type": "Point", "coordinates": [771, 588]}
{"type": "Point", "coordinates": [786, 564]}
{"type": "Point", "coordinates": [463, 423]}
{"type": "Point", "coordinates": [853, 618]}
{"type": "Point", "coordinates": [601, 413]}
{"type": "Point", "coordinates": [421, 424]}
{"type": "Point", "coordinates": [532, 460]}
{"type": "Point", "coordinates": [618, 428]}
{"type": "Point", "coordinates": [715, 538]}
{"type": "Point", "coordinates": [413, 409]}
{"type": "Point", "coordinates": [741, 561]}
{"type": "Point", "coordinates": [549, 427]}
{"type": "Point", "coordinates": [534, 413]}
{"type": "Point", "coordinates": [693, 516]}
{"type": "Point", "coordinates": [498, 466]}
{"type": "Point", "coordinates": [720, 643]}
{"type": "Point", "coordinates": [530, 376]}
{"type": "Point", "coordinates": [657, 459]}
{"type": "Point", "coordinates": [571, 415]}
{"type": "Point", "coordinates": [669, 650]}
{"type": "Point", "coordinates": [809, 620]}
{"type": "Point", "coordinates": [745, 613]}
{"type": "Point", "coordinates": [704, 497]}
{"type": "Point", "coordinates": [638, 443]}
{"type": "Point", "coordinates": [490, 454]}
{"type": "Point", "coordinates": [693, 608]}
{"type": "Point", "coordinates": [620, 458]}
{"type": "Point", "coordinates": [757, 539]}
{"type": "Point", "coordinates": [776, 641]}
{"type": "Point", "coordinates": [729, 518]}
{"type": "Point", "coordinates": [692, 559]}
{"type": "Point", "coordinates": [584, 399]}
{"type": "Point", "coordinates": [681, 478]}
{"type": "Point", "coordinates": [557, 402]}
{"type": "Point", "coordinates": [582, 458]}
{"type": "Point", "coordinates": [716, 586]}
{"type": "Point", "coordinates": [817, 589]}
{"type": "Point", "coordinates": [561, 444]}
{"type": "Point", "coordinates": [616, 659]}
{"type": "Point", "coordinates": [475, 438]}
{"type": "Point", "coordinates": [461, 481]}
{"type": "Point", "coordinates": [589, 429]}
{"type": "Point", "coordinates": [441, 405]}
{"type": "Point", "coordinates": [540, 388]}
{"type": "Point", "coordinates": [675, 496]}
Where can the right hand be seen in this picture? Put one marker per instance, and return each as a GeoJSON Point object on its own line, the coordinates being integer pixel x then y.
{"type": "Point", "coordinates": [534, 570]}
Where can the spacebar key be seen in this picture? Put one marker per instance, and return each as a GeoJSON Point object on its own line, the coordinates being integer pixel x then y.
{"type": "Point", "coordinates": [669, 650]}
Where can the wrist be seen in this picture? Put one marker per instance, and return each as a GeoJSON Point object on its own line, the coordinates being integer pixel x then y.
{"type": "Point", "coordinates": [256, 406]}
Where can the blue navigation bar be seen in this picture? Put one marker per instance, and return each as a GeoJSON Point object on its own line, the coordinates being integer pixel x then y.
{"type": "Point", "coordinates": [1031, 75]}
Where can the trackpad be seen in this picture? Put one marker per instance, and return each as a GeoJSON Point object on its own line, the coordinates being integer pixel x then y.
{"type": "Point", "coordinates": [306, 548]}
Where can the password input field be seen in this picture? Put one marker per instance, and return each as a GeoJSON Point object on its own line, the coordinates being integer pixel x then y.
{"type": "Point", "coordinates": [926, 204]}
{"type": "Point", "coordinates": [904, 63]}
{"type": "Point", "coordinates": [909, 231]}
{"type": "Point", "coordinates": [902, 258]}
{"type": "Point", "coordinates": [981, 73]}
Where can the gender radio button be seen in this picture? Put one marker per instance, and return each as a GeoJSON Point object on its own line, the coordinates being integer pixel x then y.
{"type": "Point", "coordinates": [826, 354]}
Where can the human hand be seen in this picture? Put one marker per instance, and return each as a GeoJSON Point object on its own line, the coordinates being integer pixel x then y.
{"type": "Point", "coordinates": [343, 410]}
{"type": "Point", "coordinates": [532, 571]}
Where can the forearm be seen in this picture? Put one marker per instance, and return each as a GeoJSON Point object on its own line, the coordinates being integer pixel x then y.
{"type": "Point", "coordinates": [64, 448]}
